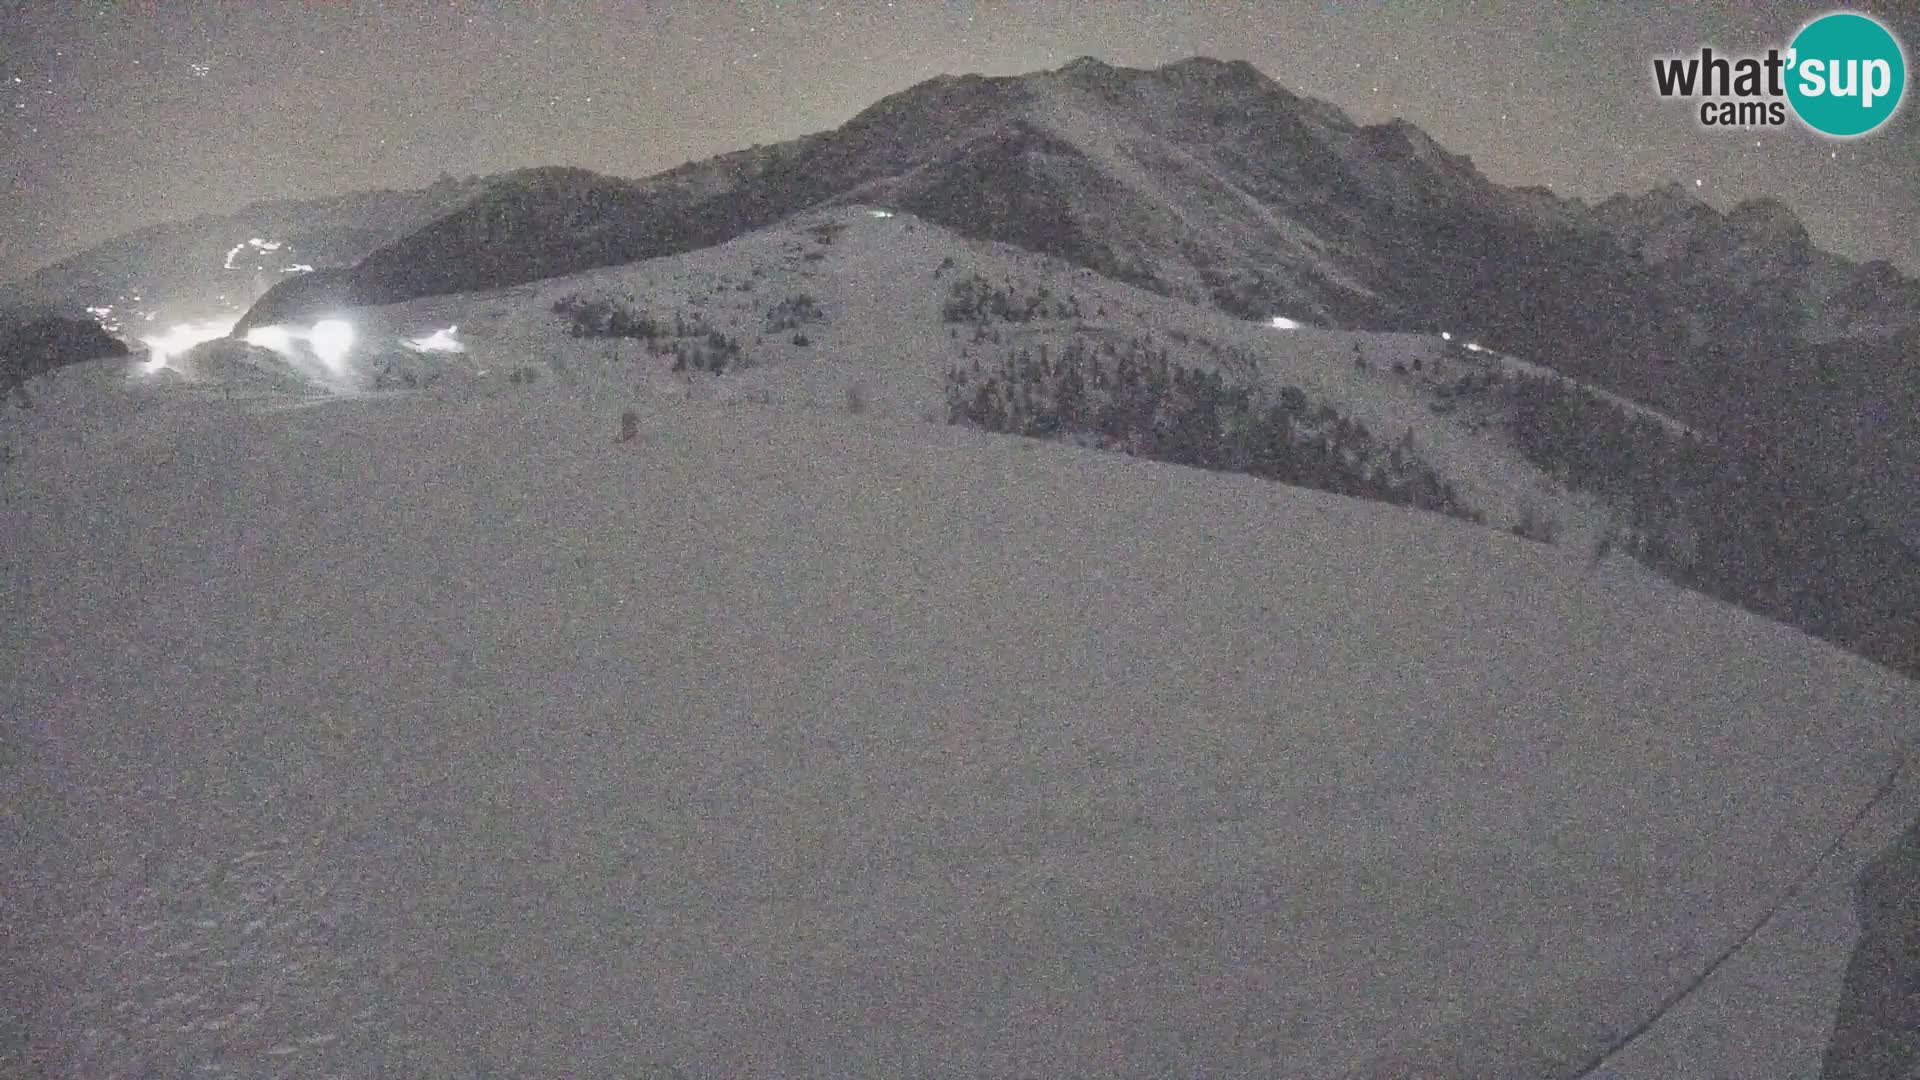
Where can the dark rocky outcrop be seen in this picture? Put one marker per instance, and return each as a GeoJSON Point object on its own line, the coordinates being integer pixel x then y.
{"type": "Point", "coordinates": [36, 343]}
{"type": "Point", "coordinates": [1876, 1032]}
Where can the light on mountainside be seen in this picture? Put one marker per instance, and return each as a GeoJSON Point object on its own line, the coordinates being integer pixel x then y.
{"type": "Point", "coordinates": [271, 337]}
{"type": "Point", "coordinates": [183, 336]}
{"type": "Point", "coordinates": [438, 341]}
{"type": "Point", "coordinates": [1446, 335]}
{"type": "Point", "coordinates": [332, 339]}
{"type": "Point", "coordinates": [256, 243]}
{"type": "Point", "coordinates": [880, 213]}
{"type": "Point", "coordinates": [1281, 322]}
{"type": "Point", "coordinates": [1474, 346]}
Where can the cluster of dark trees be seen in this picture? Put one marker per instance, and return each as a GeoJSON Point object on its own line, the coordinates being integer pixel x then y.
{"type": "Point", "coordinates": [795, 310]}
{"type": "Point", "coordinates": [1766, 532]}
{"type": "Point", "coordinates": [1136, 400]}
{"type": "Point", "coordinates": [974, 299]}
{"type": "Point", "coordinates": [600, 317]}
{"type": "Point", "coordinates": [693, 344]}
{"type": "Point", "coordinates": [713, 352]}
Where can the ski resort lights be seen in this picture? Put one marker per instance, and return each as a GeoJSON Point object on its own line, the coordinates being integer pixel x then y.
{"type": "Point", "coordinates": [257, 244]}
{"type": "Point", "coordinates": [164, 347]}
{"type": "Point", "coordinates": [331, 340]}
{"type": "Point", "coordinates": [1281, 322]}
{"type": "Point", "coordinates": [270, 337]}
{"type": "Point", "coordinates": [438, 341]}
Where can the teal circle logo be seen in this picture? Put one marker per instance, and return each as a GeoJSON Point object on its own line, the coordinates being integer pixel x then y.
{"type": "Point", "coordinates": [1846, 74]}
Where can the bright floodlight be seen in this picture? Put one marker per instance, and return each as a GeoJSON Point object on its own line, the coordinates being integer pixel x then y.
{"type": "Point", "coordinates": [1281, 322]}
{"type": "Point", "coordinates": [331, 339]}
{"type": "Point", "coordinates": [162, 348]}
{"type": "Point", "coordinates": [270, 337]}
{"type": "Point", "coordinates": [438, 341]}
{"type": "Point", "coordinates": [1474, 347]}
{"type": "Point", "coordinates": [1446, 335]}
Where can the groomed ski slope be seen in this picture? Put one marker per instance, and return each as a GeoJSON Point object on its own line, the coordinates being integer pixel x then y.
{"type": "Point", "coordinates": [442, 735]}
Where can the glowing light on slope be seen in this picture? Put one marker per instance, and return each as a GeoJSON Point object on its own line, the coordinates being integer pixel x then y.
{"type": "Point", "coordinates": [271, 337]}
{"type": "Point", "coordinates": [327, 342]}
{"type": "Point", "coordinates": [255, 243]}
{"type": "Point", "coordinates": [880, 213]}
{"type": "Point", "coordinates": [298, 268]}
{"type": "Point", "coordinates": [1281, 322]}
{"type": "Point", "coordinates": [1446, 335]}
{"type": "Point", "coordinates": [161, 349]}
{"type": "Point", "coordinates": [1474, 347]}
{"type": "Point", "coordinates": [438, 341]}
{"type": "Point", "coordinates": [332, 339]}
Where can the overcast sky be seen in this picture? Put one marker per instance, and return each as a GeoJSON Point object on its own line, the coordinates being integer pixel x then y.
{"type": "Point", "coordinates": [123, 115]}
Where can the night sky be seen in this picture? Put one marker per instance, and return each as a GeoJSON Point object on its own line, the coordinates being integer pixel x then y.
{"type": "Point", "coordinates": [123, 115]}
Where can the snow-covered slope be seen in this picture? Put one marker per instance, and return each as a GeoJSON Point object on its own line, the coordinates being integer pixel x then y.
{"type": "Point", "coordinates": [441, 733]}
{"type": "Point", "coordinates": [880, 283]}
{"type": "Point", "coordinates": [877, 282]}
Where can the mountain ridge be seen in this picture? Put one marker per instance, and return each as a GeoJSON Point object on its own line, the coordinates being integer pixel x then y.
{"type": "Point", "coordinates": [1208, 181]}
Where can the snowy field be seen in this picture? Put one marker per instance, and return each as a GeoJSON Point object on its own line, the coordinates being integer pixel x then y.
{"type": "Point", "coordinates": [438, 733]}
{"type": "Point", "coordinates": [442, 735]}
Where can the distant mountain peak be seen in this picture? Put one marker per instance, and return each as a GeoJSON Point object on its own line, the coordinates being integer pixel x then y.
{"type": "Point", "coordinates": [1415, 140]}
{"type": "Point", "coordinates": [1203, 70]}
{"type": "Point", "coordinates": [1223, 70]}
{"type": "Point", "coordinates": [1202, 179]}
{"type": "Point", "coordinates": [1670, 197]}
{"type": "Point", "coordinates": [1672, 201]}
{"type": "Point", "coordinates": [1084, 64]}
{"type": "Point", "coordinates": [1766, 215]}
